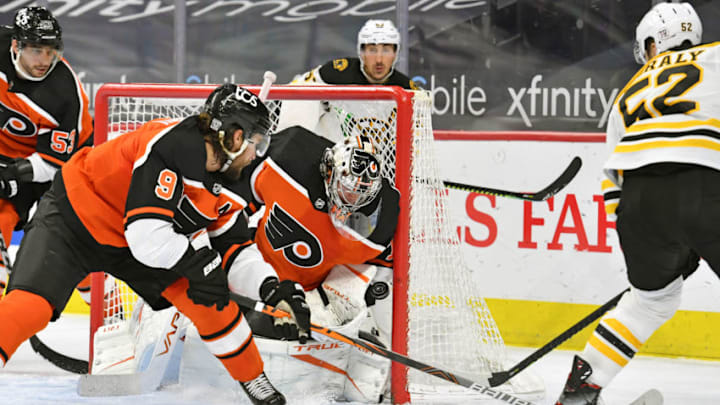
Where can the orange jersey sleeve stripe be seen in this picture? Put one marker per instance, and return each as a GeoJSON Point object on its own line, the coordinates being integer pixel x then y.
{"type": "Point", "coordinates": [149, 210]}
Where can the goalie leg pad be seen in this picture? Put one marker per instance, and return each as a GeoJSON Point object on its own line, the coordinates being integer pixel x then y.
{"type": "Point", "coordinates": [379, 299]}
{"type": "Point", "coordinates": [368, 377]}
{"type": "Point", "coordinates": [226, 333]}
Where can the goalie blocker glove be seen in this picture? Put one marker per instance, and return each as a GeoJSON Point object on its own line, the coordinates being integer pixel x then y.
{"type": "Point", "coordinates": [288, 296]}
{"type": "Point", "coordinates": [207, 279]}
{"type": "Point", "coordinates": [20, 170]}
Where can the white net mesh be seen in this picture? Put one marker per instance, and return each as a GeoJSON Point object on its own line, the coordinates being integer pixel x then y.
{"type": "Point", "coordinates": [449, 324]}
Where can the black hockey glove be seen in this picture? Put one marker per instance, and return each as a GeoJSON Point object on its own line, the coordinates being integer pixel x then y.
{"type": "Point", "coordinates": [208, 281]}
{"type": "Point", "coordinates": [288, 296]}
{"type": "Point", "coordinates": [12, 174]}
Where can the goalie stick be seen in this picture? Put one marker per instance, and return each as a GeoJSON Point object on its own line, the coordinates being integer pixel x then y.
{"type": "Point", "coordinates": [541, 195]}
{"type": "Point", "coordinates": [481, 386]}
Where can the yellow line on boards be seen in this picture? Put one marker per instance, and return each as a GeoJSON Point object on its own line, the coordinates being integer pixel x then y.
{"type": "Point", "coordinates": [526, 323]}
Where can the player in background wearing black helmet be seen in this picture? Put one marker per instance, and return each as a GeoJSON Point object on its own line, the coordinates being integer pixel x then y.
{"type": "Point", "coordinates": [378, 44]}
{"type": "Point", "coordinates": [44, 115]}
{"type": "Point", "coordinates": [128, 206]}
{"type": "Point", "coordinates": [663, 182]}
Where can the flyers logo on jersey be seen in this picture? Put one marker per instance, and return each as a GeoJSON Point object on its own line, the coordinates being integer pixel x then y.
{"type": "Point", "coordinates": [340, 64]}
{"type": "Point", "coordinates": [16, 123]}
{"type": "Point", "coordinates": [298, 245]}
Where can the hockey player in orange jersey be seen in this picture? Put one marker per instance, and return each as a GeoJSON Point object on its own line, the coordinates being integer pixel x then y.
{"type": "Point", "coordinates": [44, 115]}
{"type": "Point", "coordinates": [126, 208]}
{"type": "Point", "coordinates": [328, 214]}
{"type": "Point", "coordinates": [664, 185]}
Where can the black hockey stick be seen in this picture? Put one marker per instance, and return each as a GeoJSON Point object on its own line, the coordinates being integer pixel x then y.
{"type": "Point", "coordinates": [541, 195]}
{"type": "Point", "coordinates": [500, 377]}
{"type": "Point", "coordinates": [481, 387]}
{"type": "Point", "coordinates": [58, 359]}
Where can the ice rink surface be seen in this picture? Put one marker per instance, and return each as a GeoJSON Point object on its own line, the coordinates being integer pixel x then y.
{"type": "Point", "coordinates": [28, 379]}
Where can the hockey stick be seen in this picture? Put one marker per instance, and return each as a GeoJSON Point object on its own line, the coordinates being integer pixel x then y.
{"type": "Point", "coordinates": [481, 387]}
{"type": "Point", "coordinates": [541, 195]}
{"type": "Point", "coordinates": [58, 359]}
{"type": "Point", "coordinates": [500, 377]}
{"type": "Point", "coordinates": [347, 118]}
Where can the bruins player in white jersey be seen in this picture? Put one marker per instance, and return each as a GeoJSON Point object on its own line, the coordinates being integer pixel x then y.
{"type": "Point", "coordinates": [378, 44]}
{"type": "Point", "coordinates": [663, 185]}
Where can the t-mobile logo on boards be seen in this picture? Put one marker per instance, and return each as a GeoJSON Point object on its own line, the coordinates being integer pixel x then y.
{"type": "Point", "coordinates": [457, 99]}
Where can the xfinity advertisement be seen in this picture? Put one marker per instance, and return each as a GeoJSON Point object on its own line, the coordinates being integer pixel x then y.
{"type": "Point", "coordinates": [491, 65]}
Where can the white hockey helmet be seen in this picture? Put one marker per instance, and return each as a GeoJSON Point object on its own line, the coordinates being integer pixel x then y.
{"type": "Point", "coordinates": [669, 25]}
{"type": "Point", "coordinates": [378, 32]}
{"type": "Point", "coordinates": [352, 178]}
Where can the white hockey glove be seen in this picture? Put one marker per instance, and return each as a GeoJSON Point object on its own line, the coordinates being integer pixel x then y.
{"type": "Point", "coordinates": [288, 296]}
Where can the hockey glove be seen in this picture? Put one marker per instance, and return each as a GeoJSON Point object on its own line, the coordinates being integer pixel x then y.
{"type": "Point", "coordinates": [11, 175]}
{"type": "Point", "coordinates": [288, 296]}
{"type": "Point", "coordinates": [208, 281]}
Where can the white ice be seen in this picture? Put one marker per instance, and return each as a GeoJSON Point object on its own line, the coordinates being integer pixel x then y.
{"type": "Point", "coordinates": [28, 379]}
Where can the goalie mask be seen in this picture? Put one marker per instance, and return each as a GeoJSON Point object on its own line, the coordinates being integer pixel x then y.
{"type": "Point", "coordinates": [378, 32]}
{"type": "Point", "coordinates": [669, 25]}
{"type": "Point", "coordinates": [351, 173]}
{"type": "Point", "coordinates": [35, 27]}
{"type": "Point", "coordinates": [232, 107]}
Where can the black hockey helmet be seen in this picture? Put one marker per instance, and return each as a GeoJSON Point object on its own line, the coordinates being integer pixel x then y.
{"type": "Point", "coordinates": [36, 25]}
{"type": "Point", "coordinates": [231, 107]}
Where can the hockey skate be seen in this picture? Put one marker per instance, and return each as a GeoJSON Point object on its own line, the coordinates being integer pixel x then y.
{"type": "Point", "coordinates": [577, 390]}
{"type": "Point", "coordinates": [262, 392]}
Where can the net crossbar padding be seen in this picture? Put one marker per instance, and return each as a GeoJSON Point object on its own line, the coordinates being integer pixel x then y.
{"type": "Point", "coordinates": [438, 316]}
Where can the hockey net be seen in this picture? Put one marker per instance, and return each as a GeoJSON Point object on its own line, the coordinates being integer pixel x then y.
{"type": "Point", "coordinates": [438, 316]}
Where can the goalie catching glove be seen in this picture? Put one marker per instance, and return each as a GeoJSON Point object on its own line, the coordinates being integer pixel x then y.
{"type": "Point", "coordinates": [288, 296]}
{"type": "Point", "coordinates": [208, 281]}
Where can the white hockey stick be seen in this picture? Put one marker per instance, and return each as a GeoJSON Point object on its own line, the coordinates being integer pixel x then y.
{"type": "Point", "coordinates": [153, 367]}
{"type": "Point", "coordinates": [268, 79]}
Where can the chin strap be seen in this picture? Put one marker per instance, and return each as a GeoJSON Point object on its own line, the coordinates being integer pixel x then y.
{"type": "Point", "coordinates": [15, 57]}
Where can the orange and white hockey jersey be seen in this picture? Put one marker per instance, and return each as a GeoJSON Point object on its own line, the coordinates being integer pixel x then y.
{"type": "Point", "coordinates": [295, 234]}
{"type": "Point", "coordinates": [50, 117]}
{"type": "Point", "coordinates": [155, 172]}
{"type": "Point", "coordinates": [668, 112]}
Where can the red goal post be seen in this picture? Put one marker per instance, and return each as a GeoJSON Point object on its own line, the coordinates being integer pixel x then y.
{"type": "Point", "coordinates": [446, 312]}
